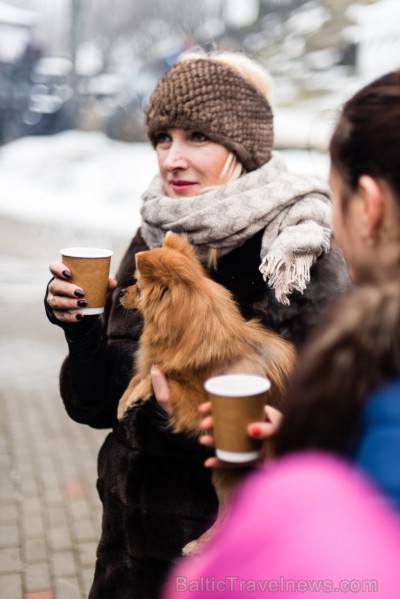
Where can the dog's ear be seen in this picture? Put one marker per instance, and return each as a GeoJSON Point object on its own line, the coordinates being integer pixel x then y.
{"type": "Point", "coordinates": [143, 264]}
{"type": "Point", "coordinates": [152, 268]}
{"type": "Point", "coordinates": [165, 267]}
{"type": "Point", "coordinates": [178, 242]}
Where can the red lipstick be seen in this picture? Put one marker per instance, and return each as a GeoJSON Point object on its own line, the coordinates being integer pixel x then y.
{"type": "Point", "coordinates": [178, 185]}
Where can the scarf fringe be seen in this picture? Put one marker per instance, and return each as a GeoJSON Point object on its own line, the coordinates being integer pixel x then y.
{"type": "Point", "coordinates": [288, 271]}
{"type": "Point", "coordinates": [287, 274]}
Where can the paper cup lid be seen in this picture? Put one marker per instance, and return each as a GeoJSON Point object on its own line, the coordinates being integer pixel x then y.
{"type": "Point", "coordinates": [86, 252]}
{"type": "Point", "coordinates": [237, 385]}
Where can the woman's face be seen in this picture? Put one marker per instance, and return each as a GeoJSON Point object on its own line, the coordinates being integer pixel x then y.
{"type": "Point", "coordinates": [189, 163]}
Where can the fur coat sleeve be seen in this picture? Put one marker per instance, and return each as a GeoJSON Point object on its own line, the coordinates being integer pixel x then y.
{"type": "Point", "coordinates": [101, 355]}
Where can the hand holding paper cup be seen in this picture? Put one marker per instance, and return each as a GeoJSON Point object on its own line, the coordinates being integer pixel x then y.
{"type": "Point", "coordinates": [237, 400]}
{"type": "Point", "coordinates": [90, 268]}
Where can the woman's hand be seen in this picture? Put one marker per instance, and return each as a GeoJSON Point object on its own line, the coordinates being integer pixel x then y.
{"type": "Point", "coordinates": [63, 296]}
{"type": "Point", "coordinates": [258, 430]}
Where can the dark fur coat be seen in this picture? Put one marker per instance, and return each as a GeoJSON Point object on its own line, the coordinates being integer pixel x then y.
{"type": "Point", "coordinates": [156, 493]}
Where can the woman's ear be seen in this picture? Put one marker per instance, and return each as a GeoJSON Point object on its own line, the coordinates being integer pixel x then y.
{"type": "Point", "coordinates": [373, 208]}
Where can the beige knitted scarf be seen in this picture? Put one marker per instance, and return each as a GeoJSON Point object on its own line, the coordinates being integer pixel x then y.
{"type": "Point", "coordinates": [293, 210]}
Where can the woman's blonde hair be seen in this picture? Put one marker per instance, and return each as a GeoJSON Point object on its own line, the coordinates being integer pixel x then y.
{"type": "Point", "coordinates": [248, 68]}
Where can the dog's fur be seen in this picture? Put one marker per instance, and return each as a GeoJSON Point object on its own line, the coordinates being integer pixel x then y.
{"type": "Point", "coordinates": [193, 329]}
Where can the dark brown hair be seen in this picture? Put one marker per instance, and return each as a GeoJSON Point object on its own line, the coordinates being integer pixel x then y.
{"type": "Point", "coordinates": [356, 350]}
{"type": "Point", "coordinates": [366, 140]}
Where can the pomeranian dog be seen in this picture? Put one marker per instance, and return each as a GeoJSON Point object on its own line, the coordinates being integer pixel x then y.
{"type": "Point", "coordinates": [193, 329]}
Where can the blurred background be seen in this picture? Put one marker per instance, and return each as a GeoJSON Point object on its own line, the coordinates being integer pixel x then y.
{"type": "Point", "coordinates": [91, 64]}
{"type": "Point", "coordinates": [75, 76]}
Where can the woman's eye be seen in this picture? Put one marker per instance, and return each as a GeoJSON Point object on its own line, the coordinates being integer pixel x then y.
{"type": "Point", "coordinates": [162, 138]}
{"type": "Point", "coordinates": [197, 136]}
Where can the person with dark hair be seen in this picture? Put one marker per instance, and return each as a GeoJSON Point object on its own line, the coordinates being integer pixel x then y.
{"type": "Point", "coordinates": [259, 230]}
{"type": "Point", "coordinates": [323, 515]}
{"type": "Point", "coordinates": [344, 396]}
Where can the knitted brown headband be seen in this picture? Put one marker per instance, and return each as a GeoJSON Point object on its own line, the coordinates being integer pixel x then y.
{"type": "Point", "coordinates": [212, 98]}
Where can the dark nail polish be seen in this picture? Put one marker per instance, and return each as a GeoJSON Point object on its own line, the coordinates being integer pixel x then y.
{"type": "Point", "coordinates": [82, 303]}
{"type": "Point", "coordinates": [67, 274]}
{"type": "Point", "coordinates": [79, 316]}
{"type": "Point", "coordinates": [79, 293]}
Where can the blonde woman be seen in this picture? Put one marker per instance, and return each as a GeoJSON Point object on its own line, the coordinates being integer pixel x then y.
{"type": "Point", "coordinates": [262, 232]}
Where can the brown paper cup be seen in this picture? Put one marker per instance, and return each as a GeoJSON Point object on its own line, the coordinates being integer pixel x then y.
{"type": "Point", "coordinates": [90, 268]}
{"type": "Point", "coordinates": [237, 400]}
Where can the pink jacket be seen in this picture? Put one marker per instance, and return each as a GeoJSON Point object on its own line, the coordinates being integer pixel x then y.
{"type": "Point", "coordinates": [306, 526]}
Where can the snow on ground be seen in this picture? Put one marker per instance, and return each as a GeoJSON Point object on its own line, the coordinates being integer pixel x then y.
{"type": "Point", "coordinates": [86, 180]}
{"type": "Point", "coordinates": [75, 178]}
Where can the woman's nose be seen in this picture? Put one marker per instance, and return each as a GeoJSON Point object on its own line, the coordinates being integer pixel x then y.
{"type": "Point", "coordinates": [175, 157]}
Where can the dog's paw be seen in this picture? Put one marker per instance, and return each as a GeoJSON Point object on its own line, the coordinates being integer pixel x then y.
{"type": "Point", "coordinates": [140, 391]}
{"type": "Point", "coordinates": [123, 407]}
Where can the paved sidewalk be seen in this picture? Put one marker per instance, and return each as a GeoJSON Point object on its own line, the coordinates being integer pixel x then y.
{"type": "Point", "coordinates": [49, 510]}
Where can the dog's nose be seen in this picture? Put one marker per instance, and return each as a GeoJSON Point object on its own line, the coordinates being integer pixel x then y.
{"type": "Point", "coordinates": [122, 292]}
